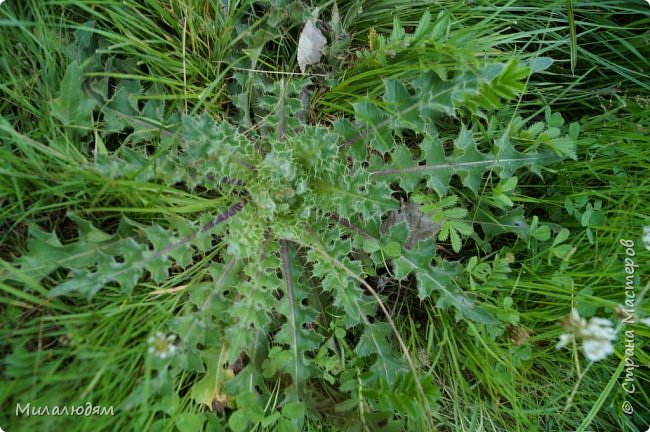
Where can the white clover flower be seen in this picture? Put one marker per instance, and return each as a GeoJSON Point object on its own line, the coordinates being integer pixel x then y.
{"type": "Point", "coordinates": [576, 321]}
{"type": "Point", "coordinates": [598, 328]}
{"type": "Point", "coordinates": [596, 335]}
{"type": "Point", "coordinates": [646, 237]}
{"type": "Point", "coordinates": [162, 346]}
{"type": "Point", "coordinates": [597, 349]}
{"type": "Point", "coordinates": [564, 340]}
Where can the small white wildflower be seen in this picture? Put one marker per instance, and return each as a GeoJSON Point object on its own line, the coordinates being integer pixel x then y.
{"type": "Point", "coordinates": [564, 340]}
{"type": "Point", "coordinates": [597, 349]}
{"type": "Point", "coordinates": [162, 346]}
{"type": "Point", "coordinates": [646, 237]}
{"type": "Point", "coordinates": [598, 328]}
{"type": "Point", "coordinates": [596, 335]}
{"type": "Point", "coordinates": [602, 322]}
{"type": "Point", "coordinates": [576, 319]}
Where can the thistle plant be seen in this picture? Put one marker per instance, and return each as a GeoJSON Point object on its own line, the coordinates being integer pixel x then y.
{"type": "Point", "coordinates": [295, 230]}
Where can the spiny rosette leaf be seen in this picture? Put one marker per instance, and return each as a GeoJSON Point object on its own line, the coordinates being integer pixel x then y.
{"type": "Point", "coordinates": [375, 343]}
{"type": "Point", "coordinates": [216, 150]}
{"type": "Point", "coordinates": [465, 161]}
{"type": "Point", "coordinates": [296, 333]}
{"type": "Point", "coordinates": [73, 107]}
{"type": "Point", "coordinates": [91, 260]}
{"type": "Point", "coordinates": [316, 150]}
{"type": "Point", "coordinates": [97, 259]}
{"type": "Point", "coordinates": [353, 192]}
{"type": "Point", "coordinates": [416, 105]}
{"type": "Point", "coordinates": [249, 317]}
{"type": "Point", "coordinates": [279, 105]}
{"type": "Point", "coordinates": [280, 185]}
{"type": "Point", "coordinates": [202, 320]}
{"type": "Point", "coordinates": [439, 278]}
{"type": "Point", "coordinates": [330, 258]}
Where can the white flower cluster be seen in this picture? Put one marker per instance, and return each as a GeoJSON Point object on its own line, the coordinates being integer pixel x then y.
{"type": "Point", "coordinates": [596, 335]}
{"type": "Point", "coordinates": [162, 346]}
{"type": "Point", "coordinates": [646, 237]}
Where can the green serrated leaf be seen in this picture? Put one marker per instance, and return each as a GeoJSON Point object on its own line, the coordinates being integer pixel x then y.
{"type": "Point", "coordinates": [456, 243]}
{"type": "Point", "coordinates": [392, 249]}
{"type": "Point", "coordinates": [375, 121]}
{"type": "Point", "coordinates": [461, 227]}
{"type": "Point", "coordinates": [456, 213]}
{"type": "Point", "coordinates": [432, 279]}
{"type": "Point", "coordinates": [374, 341]}
{"type": "Point", "coordinates": [73, 107]}
{"type": "Point", "coordinates": [371, 245]}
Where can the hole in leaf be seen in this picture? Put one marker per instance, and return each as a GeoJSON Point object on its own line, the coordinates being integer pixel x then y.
{"type": "Point", "coordinates": [112, 86]}
{"type": "Point", "coordinates": [114, 141]}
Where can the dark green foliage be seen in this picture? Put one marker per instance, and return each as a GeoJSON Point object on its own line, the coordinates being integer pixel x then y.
{"type": "Point", "coordinates": [297, 204]}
